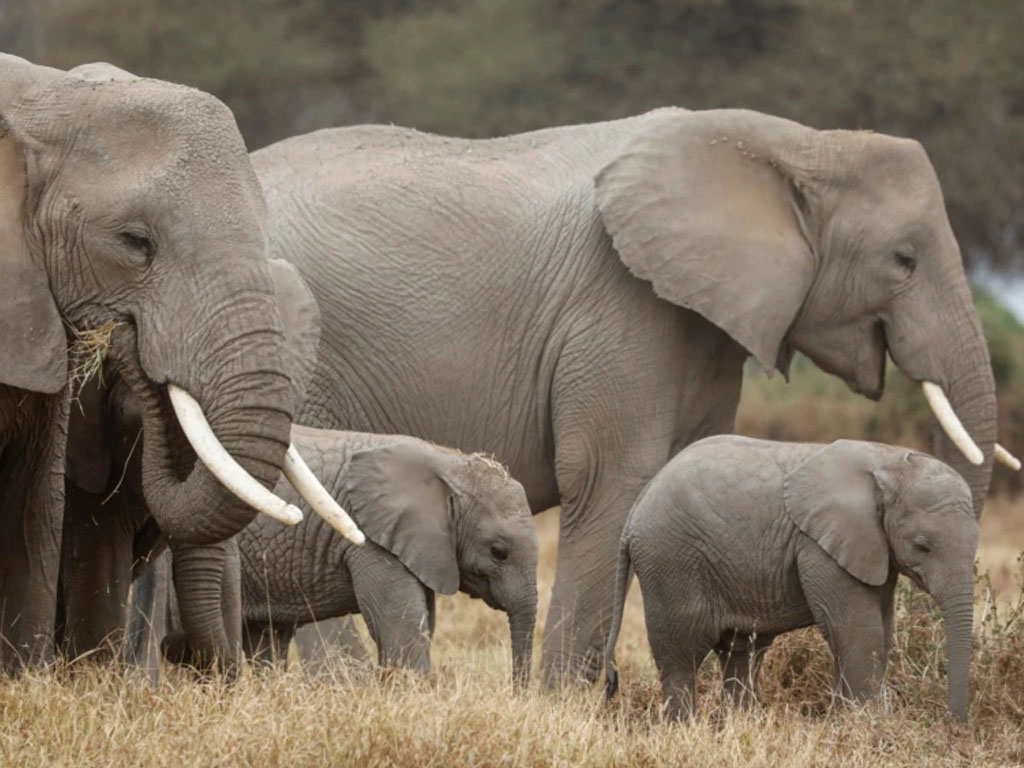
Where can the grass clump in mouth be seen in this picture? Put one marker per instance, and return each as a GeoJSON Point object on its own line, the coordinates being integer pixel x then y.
{"type": "Point", "coordinates": [87, 354]}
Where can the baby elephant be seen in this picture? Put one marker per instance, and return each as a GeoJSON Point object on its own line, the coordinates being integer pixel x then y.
{"type": "Point", "coordinates": [436, 520]}
{"type": "Point", "coordinates": [738, 540]}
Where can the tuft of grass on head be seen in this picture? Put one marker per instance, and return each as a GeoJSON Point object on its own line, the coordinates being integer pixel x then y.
{"type": "Point", "coordinates": [87, 353]}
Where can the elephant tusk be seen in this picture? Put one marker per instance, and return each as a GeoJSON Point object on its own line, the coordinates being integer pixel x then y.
{"type": "Point", "coordinates": [1006, 458]}
{"type": "Point", "coordinates": [309, 487]}
{"type": "Point", "coordinates": [220, 463]}
{"type": "Point", "coordinates": [949, 422]}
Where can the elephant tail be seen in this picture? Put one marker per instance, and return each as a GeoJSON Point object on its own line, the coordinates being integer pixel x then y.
{"type": "Point", "coordinates": [623, 575]}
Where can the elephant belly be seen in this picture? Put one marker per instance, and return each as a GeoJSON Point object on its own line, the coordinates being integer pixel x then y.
{"type": "Point", "coordinates": [290, 594]}
{"type": "Point", "coordinates": [770, 605]}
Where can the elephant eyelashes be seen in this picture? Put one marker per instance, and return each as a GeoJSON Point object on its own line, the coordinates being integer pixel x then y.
{"type": "Point", "coordinates": [499, 551]}
{"type": "Point", "coordinates": [907, 262]}
{"type": "Point", "coordinates": [139, 242]}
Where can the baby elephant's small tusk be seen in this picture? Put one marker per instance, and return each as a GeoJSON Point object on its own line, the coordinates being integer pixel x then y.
{"type": "Point", "coordinates": [1006, 458]}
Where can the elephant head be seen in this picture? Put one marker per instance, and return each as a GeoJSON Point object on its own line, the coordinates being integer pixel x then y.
{"type": "Point", "coordinates": [104, 457]}
{"type": "Point", "coordinates": [872, 506]}
{"type": "Point", "coordinates": [457, 522]}
{"type": "Point", "coordinates": [833, 243]}
{"type": "Point", "coordinates": [133, 200]}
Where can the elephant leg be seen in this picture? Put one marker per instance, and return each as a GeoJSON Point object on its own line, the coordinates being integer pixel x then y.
{"type": "Point", "coordinates": [740, 656]}
{"type": "Point", "coordinates": [888, 600]}
{"type": "Point", "coordinates": [851, 615]}
{"type": "Point", "coordinates": [321, 643]}
{"type": "Point", "coordinates": [579, 615]}
{"type": "Point", "coordinates": [678, 650]}
{"type": "Point", "coordinates": [199, 577]}
{"type": "Point", "coordinates": [231, 597]}
{"type": "Point", "coordinates": [395, 606]}
{"type": "Point", "coordinates": [31, 514]}
{"type": "Point", "coordinates": [147, 621]}
{"type": "Point", "coordinates": [96, 575]}
{"type": "Point", "coordinates": [860, 658]}
{"type": "Point", "coordinates": [266, 644]}
{"type": "Point", "coordinates": [681, 633]}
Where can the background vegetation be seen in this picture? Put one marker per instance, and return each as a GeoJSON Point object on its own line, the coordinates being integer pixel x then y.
{"type": "Point", "coordinates": [946, 72]}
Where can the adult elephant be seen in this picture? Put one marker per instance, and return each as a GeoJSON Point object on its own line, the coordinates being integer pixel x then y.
{"type": "Point", "coordinates": [110, 534]}
{"type": "Point", "coordinates": [133, 201]}
{"type": "Point", "coordinates": [579, 301]}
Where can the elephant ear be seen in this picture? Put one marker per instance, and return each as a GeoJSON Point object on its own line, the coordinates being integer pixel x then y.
{"type": "Point", "coordinates": [300, 315]}
{"type": "Point", "coordinates": [834, 498]}
{"type": "Point", "coordinates": [33, 345]}
{"type": "Point", "coordinates": [703, 206]}
{"type": "Point", "coordinates": [402, 503]}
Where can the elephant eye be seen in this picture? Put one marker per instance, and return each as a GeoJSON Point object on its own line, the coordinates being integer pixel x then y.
{"type": "Point", "coordinates": [499, 551]}
{"type": "Point", "coordinates": [921, 544]}
{"type": "Point", "coordinates": [140, 242]}
{"type": "Point", "coordinates": [907, 262]}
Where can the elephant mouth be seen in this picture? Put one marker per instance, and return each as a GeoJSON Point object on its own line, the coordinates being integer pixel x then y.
{"type": "Point", "coordinates": [477, 586]}
{"type": "Point", "coordinates": [869, 378]}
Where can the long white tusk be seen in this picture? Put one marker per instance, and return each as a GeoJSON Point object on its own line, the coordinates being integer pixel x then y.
{"type": "Point", "coordinates": [216, 458]}
{"type": "Point", "coordinates": [310, 488]}
{"type": "Point", "coordinates": [1006, 458]}
{"type": "Point", "coordinates": [949, 422]}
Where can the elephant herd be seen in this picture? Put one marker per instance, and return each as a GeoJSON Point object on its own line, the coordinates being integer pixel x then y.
{"type": "Point", "coordinates": [577, 302]}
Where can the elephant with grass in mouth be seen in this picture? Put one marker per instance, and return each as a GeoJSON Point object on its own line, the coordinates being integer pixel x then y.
{"type": "Point", "coordinates": [109, 533]}
{"type": "Point", "coordinates": [130, 205]}
{"type": "Point", "coordinates": [579, 301]}
{"type": "Point", "coordinates": [738, 540]}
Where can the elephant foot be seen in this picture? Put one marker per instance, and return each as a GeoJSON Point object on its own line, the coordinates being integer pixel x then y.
{"type": "Point", "coordinates": [576, 669]}
{"type": "Point", "coordinates": [205, 663]}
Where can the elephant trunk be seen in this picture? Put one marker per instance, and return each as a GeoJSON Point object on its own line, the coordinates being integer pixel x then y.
{"type": "Point", "coordinates": [522, 620]}
{"type": "Point", "coordinates": [211, 628]}
{"type": "Point", "coordinates": [968, 384]}
{"type": "Point", "coordinates": [958, 617]}
{"type": "Point", "coordinates": [247, 402]}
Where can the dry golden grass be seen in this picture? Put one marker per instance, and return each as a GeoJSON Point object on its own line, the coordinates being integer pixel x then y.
{"type": "Point", "coordinates": [467, 713]}
{"type": "Point", "coordinates": [87, 353]}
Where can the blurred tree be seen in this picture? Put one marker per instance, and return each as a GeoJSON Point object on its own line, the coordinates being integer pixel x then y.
{"type": "Point", "coordinates": [281, 65]}
{"type": "Point", "coordinates": [948, 73]}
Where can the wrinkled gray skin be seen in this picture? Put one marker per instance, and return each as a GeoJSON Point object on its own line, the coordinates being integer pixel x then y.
{"type": "Point", "coordinates": [437, 521]}
{"type": "Point", "coordinates": [579, 301]}
{"type": "Point", "coordinates": [738, 540]}
{"type": "Point", "coordinates": [132, 200]}
{"type": "Point", "coordinates": [109, 533]}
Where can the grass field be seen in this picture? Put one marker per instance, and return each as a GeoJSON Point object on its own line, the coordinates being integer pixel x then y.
{"type": "Point", "coordinates": [467, 713]}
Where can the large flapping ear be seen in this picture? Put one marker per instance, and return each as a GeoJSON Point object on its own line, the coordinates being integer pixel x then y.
{"type": "Point", "coordinates": [33, 345]}
{"type": "Point", "coordinates": [833, 498]}
{"type": "Point", "coordinates": [300, 316]}
{"type": "Point", "coordinates": [703, 205]}
{"type": "Point", "coordinates": [402, 503]}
